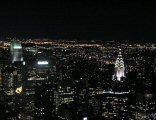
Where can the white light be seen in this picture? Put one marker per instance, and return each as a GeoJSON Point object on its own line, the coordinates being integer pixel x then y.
{"type": "Point", "coordinates": [118, 93]}
{"type": "Point", "coordinates": [42, 62]}
{"type": "Point", "coordinates": [85, 118]}
{"type": "Point", "coordinates": [23, 62]}
{"type": "Point", "coordinates": [17, 47]}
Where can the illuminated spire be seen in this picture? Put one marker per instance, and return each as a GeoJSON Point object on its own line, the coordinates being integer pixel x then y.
{"type": "Point", "coordinates": [119, 67]}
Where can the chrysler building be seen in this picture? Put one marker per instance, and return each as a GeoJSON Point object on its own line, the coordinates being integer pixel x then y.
{"type": "Point", "coordinates": [119, 67]}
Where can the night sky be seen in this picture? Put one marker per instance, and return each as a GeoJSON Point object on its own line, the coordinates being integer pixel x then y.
{"type": "Point", "coordinates": [118, 19]}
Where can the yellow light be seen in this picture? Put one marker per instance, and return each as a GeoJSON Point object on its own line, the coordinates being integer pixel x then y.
{"type": "Point", "coordinates": [19, 90]}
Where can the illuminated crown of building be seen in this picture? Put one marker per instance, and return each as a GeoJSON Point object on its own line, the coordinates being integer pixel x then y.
{"type": "Point", "coordinates": [16, 51]}
{"type": "Point", "coordinates": [119, 67]}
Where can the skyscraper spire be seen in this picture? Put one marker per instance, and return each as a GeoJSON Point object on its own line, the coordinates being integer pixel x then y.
{"type": "Point", "coordinates": [119, 67]}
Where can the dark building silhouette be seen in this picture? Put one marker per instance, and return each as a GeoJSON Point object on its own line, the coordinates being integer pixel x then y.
{"type": "Point", "coordinates": [45, 102]}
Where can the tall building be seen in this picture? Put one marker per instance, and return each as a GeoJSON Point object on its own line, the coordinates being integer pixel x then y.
{"type": "Point", "coordinates": [114, 105]}
{"type": "Point", "coordinates": [114, 102]}
{"type": "Point", "coordinates": [16, 51]}
{"type": "Point", "coordinates": [1, 66]}
{"type": "Point", "coordinates": [119, 67]}
{"type": "Point", "coordinates": [46, 97]}
{"type": "Point", "coordinates": [144, 105]}
{"type": "Point", "coordinates": [8, 80]}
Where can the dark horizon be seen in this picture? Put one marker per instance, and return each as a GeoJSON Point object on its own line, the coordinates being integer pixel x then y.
{"type": "Point", "coordinates": [108, 20]}
{"type": "Point", "coordinates": [79, 36]}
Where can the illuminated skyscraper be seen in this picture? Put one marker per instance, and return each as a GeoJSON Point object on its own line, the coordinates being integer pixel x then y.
{"type": "Point", "coordinates": [1, 76]}
{"type": "Point", "coordinates": [8, 80]}
{"type": "Point", "coordinates": [16, 51]}
{"type": "Point", "coordinates": [119, 67]}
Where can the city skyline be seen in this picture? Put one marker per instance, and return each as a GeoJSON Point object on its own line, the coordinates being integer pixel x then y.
{"type": "Point", "coordinates": [44, 79]}
{"type": "Point", "coordinates": [76, 60]}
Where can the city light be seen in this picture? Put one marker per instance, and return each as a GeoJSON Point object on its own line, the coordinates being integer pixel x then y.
{"type": "Point", "coordinates": [85, 118]}
{"type": "Point", "coordinates": [118, 93]}
{"type": "Point", "coordinates": [42, 63]}
{"type": "Point", "coordinates": [17, 47]}
{"type": "Point", "coordinates": [19, 90]}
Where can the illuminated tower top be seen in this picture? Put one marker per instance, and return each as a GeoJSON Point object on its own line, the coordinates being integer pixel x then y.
{"type": "Point", "coordinates": [119, 67]}
{"type": "Point", "coordinates": [16, 51]}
